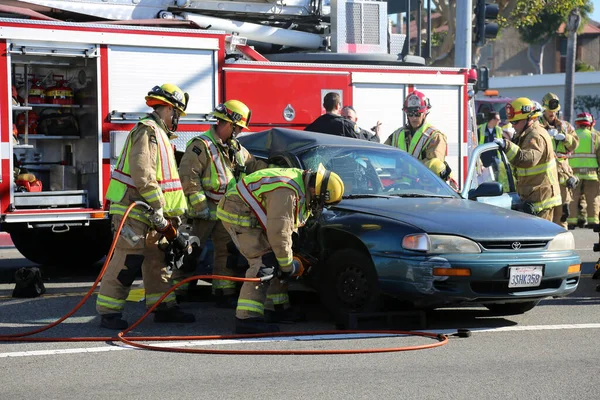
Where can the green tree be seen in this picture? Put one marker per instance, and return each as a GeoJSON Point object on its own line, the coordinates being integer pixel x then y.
{"type": "Point", "coordinates": [587, 103]}
{"type": "Point", "coordinates": [539, 21]}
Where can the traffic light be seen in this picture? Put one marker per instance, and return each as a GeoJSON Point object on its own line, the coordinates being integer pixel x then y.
{"type": "Point", "coordinates": [485, 25]}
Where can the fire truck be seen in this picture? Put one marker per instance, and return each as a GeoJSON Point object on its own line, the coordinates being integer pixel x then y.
{"type": "Point", "coordinates": [71, 91]}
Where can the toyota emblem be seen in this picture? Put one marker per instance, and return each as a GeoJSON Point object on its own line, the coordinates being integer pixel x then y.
{"type": "Point", "coordinates": [516, 245]}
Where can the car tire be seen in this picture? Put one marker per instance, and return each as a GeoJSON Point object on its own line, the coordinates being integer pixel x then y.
{"type": "Point", "coordinates": [350, 284]}
{"type": "Point", "coordinates": [512, 308]}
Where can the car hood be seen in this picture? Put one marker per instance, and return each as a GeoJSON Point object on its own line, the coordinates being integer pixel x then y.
{"type": "Point", "coordinates": [457, 217]}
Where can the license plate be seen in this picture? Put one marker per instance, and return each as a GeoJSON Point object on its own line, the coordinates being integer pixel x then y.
{"type": "Point", "coordinates": [524, 277]}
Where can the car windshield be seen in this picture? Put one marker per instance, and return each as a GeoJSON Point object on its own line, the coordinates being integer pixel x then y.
{"type": "Point", "coordinates": [377, 172]}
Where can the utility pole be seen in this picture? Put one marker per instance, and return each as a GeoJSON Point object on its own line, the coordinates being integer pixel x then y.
{"type": "Point", "coordinates": [572, 27]}
{"type": "Point", "coordinates": [464, 30]}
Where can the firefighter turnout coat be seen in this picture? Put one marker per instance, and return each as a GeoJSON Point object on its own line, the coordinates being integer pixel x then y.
{"type": "Point", "coordinates": [585, 162]}
{"type": "Point", "coordinates": [532, 155]}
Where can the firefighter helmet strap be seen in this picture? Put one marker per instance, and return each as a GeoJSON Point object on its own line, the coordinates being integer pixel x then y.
{"type": "Point", "coordinates": [323, 191]}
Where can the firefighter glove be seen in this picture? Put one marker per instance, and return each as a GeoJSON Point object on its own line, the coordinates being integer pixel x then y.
{"type": "Point", "coordinates": [560, 137]}
{"type": "Point", "coordinates": [572, 182]}
{"type": "Point", "coordinates": [552, 132]}
{"type": "Point", "coordinates": [500, 142]}
{"type": "Point", "coordinates": [269, 266]}
{"type": "Point", "coordinates": [291, 271]}
{"type": "Point", "coordinates": [445, 174]}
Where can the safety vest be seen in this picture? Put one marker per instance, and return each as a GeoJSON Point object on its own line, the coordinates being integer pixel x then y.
{"type": "Point", "coordinates": [221, 177]}
{"type": "Point", "coordinates": [583, 160]}
{"type": "Point", "coordinates": [483, 130]}
{"type": "Point", "coordinates": [252, 188]}
{"type": "Point", "coordinates": [419, 141]}
{"type": "Point", "coordinates": [166, 176]}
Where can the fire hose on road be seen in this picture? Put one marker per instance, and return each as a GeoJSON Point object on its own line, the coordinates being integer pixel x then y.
{"type": "Point", "coordinates": [135, 340]}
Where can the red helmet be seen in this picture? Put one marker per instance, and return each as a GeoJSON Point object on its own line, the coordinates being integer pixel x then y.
{"type": "Point", "coordinates": [416, 101]}
{"type": "Point", "coordinates": [584, 119]}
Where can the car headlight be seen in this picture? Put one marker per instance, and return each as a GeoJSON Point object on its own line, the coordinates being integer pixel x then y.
{"type": "Point", "coordinates": [439, 244]}
{"type": "Point", "coordinates": [562, 241]}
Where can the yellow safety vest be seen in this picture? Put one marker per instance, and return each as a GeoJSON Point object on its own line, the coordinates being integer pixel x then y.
{"type": "Point", "coordinates": [251, 190]}
{"type": "Point", "coordinates": [419, 141]}
{"type": "Point", "coordinates": [166, 176]}
{"type": "Point", "coordinates": [583, 160]}
{"type": "Point", "coordinates": [483, 129]}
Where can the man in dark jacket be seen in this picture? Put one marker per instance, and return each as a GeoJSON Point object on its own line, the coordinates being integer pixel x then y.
{"type": "Point", "coordinates": [349, 113]}
{"type": "Point", "coordinates": [332, 122]}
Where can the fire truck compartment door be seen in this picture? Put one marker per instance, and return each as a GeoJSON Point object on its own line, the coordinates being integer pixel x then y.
{"type": "Point", "coordinates": [134, 71]}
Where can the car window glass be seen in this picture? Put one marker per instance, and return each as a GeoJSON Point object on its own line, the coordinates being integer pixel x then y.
{"type": "Point", "coordinates": [379, 171]}
{"type": "Point", "coordinates": [491, 167]}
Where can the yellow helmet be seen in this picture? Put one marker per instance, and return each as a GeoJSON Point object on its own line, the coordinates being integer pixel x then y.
{"type": "Point", "coordinates": [551, 102]}
{"type": "Point", "coordinates": [519, 109]}
{"type": "Point", "coordinates": [234, 111]}
{"type": "Point", "coordinates": [168, 94]}
{"type": "Point", "coordinates": [333, 192]}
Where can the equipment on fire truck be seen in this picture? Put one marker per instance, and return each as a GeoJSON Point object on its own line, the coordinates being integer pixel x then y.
{"type": "Point", "coordinates": [32, 123]}
{"type": "Point", "coordinates": [37, 91]}
{"type": "Point", "coordinates": [27, 182]}
{"type": "Point", "coordinates": [59, 93]}
{"type": "Point", "coordinates": [58, 123]}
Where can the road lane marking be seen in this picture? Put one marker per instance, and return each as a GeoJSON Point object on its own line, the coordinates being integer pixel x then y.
{"type": "Point", "coordinates": [341, 336]}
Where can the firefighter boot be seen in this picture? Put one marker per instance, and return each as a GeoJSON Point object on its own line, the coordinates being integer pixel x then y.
{"type": "Point", "coordinates": [113, 321]}
{"type": "Point", "coordinates": [287, 316]}
{"type": "Point", "coordinates": [173, 314]}
{"type": "Point", "coordinates": [254, 325]}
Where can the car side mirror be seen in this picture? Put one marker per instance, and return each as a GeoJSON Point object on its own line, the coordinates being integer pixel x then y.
{"type": "Point", "coordinates": [486, 189]}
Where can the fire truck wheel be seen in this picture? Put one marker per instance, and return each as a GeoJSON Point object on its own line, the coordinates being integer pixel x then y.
{"type": "Point", "coordinates": [76, 248]}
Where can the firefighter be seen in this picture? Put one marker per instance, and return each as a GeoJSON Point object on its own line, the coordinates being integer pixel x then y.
{"type": "Point", "coordinates": [531, 155]}
{"type": "Point", "coordinates": [212, 162]}
{"type": "Point", "coordinates": [261, 213]}
{"type": "Point", "coordinates": [418, 136]}
{"type": "Point", "coordinates": [564, 141]}
{"type": "Point", "coordinates": [332, 121]}
{"type": "Point", "coordinates": [349, 113]}
{"type": "Point", "coordinates": [585, 162]}
{"type": "Point", "coordinates": [146, 171]}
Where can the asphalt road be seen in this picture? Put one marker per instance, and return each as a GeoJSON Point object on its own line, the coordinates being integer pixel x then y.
{"type": "Point", "coordinates": [547, 353]}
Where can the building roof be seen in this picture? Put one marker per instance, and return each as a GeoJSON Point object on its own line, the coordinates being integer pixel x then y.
{"type": "Point", "coordinates": [591, 28]}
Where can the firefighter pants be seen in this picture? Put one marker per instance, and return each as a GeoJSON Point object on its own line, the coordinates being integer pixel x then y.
{"type": "Point", "coordinates": [590, 189]}
{"type": "Point", "coordinates": [213, 229]}
{"type": "Point", "coordinates": [254, 298]}
{"type": "Point", "coordinates": [127, 262]}
{"type": "Point", "coordinates": [566, 196]}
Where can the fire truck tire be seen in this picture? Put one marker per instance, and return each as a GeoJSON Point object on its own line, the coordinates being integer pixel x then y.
{"type": "Point", "coordinates": [74, 249]}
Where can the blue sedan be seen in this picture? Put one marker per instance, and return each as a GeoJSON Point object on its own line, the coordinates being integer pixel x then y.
{"type": "Point", "coordinates": [401, 231]}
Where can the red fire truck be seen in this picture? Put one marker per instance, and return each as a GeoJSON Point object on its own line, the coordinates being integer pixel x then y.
{"type": "Point", "coordinates": [68, 138]}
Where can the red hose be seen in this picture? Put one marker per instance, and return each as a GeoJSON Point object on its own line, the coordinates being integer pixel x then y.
{"type": "Point", "coordinates": [133, 340]}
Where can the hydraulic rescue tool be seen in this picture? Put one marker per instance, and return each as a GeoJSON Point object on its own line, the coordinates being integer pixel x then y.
{"type": "Point", "coordinates": [183, 250]}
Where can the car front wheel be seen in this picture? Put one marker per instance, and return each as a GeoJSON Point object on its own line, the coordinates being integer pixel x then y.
{"type": "Point", "coordinates": [350, 283]}
{"type": "Point", "coordinates": [512, 308]}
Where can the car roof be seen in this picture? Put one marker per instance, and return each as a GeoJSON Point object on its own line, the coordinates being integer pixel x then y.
{"type": "Point", "coordinates": [278, 140]}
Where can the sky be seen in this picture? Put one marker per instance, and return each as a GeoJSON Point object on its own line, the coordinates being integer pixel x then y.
{"type": "Point", "coordinates": [596, 13]}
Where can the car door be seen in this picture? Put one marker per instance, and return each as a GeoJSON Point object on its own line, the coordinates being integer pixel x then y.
{"type": "Point", "coordinates": [488, 167]}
